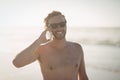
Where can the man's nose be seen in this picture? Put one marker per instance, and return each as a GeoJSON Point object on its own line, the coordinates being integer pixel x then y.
{"type": "Point", "coordinates": [59, 27]}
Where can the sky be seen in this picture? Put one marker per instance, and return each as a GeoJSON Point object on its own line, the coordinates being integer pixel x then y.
{"type": "Point", "coordinates": [90, 13]}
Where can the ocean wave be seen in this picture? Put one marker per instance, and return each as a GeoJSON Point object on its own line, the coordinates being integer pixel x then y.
{"type": "Point", "coordinates": [107, 36]}
{"type": "Point", "coordinates": [101, 67]}
{"type": "Point", "coordinates": [100, 42]}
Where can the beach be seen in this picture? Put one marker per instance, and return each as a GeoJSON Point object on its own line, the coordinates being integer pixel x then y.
{"type": "Point", "coordinates": [102, 62]}
{"type": "Point", "coordinates": [101, 53]}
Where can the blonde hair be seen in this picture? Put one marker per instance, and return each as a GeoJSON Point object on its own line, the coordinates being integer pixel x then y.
{"type": "Point", "coordinates": [52, 14]}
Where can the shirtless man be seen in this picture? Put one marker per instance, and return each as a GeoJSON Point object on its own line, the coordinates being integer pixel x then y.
{"type": "Point", "coordinates": [59, 59]}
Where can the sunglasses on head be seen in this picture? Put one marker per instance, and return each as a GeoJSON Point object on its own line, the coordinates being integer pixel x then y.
{"type": "Point", "coordinates": [55, 25]}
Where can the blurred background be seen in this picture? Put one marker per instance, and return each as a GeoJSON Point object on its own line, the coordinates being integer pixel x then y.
{"type": "Point", "coordinates": [95, 24]}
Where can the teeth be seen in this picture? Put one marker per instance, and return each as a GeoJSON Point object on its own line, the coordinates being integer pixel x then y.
{"type": "Point", "coordinates": [59, 32]}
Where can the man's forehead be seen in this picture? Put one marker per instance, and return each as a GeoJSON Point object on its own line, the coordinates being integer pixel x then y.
{"type": "Point", "coordinates": [56, 19]}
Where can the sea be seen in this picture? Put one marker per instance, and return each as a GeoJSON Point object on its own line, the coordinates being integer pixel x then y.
{"type": "Point", "coordinates": [101, 46]}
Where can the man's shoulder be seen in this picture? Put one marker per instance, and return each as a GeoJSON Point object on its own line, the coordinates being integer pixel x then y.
{"type": "Point", "coordinates": [76, 47]}
{"type": "Point", "coordinates": [75, 44]}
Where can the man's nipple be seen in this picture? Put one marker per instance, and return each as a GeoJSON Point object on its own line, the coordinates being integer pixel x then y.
{"type": "Point", "coordinates": [51, 68]}
{"type": "Point", "coordinates": [76, 65]}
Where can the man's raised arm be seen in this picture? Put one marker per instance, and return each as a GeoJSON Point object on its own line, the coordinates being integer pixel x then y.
{"type": "Point", "coordinates": [27, 56]}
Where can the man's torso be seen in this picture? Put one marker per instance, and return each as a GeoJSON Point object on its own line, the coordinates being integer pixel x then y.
{"type": "Point", "coordinates": [60, 64]}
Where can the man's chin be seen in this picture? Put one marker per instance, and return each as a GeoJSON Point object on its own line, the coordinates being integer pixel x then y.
{"type": "Point", "coordinates": [59, 36]}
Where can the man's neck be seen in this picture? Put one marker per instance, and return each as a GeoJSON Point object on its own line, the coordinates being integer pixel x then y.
{"type": "Point", "coordinates": [59, 43]}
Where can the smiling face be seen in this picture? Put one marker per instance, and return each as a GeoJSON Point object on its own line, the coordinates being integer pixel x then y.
{"type": "Point", "coordinates": [57, 25]}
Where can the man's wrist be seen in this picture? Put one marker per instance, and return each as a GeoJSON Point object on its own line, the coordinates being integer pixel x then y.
{"type": "Point", "coordinates": [38, 41]}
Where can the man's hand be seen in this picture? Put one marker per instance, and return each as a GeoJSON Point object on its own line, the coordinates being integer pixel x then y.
{"type": "Point", "coordinates": [42, 37]}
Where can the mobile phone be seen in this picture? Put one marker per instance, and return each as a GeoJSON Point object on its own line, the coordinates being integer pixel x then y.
{"type": "Point", "coordinates": [48, 35]}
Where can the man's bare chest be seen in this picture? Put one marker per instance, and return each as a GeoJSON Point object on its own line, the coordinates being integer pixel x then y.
{"type": "Point", "coordinates": [60, 59]}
